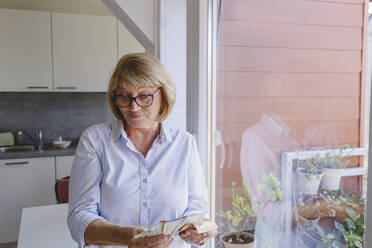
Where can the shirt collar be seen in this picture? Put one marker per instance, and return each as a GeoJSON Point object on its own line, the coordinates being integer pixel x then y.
{"type": "Point", "coordinates": [164, 132]}
{"type": "Point", "coordinates": [118, 130]}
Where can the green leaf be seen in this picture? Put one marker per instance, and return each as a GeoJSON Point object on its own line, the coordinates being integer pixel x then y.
{"type": "Point", "coordinates": [358, 244]}
{"type": "Point", "coordinates": [340, 227]}
{"type": "Point", "coordinates": [331, 236]}
{"type": "Point", "coordinates": [320, 230]}
{"type": "Point", "coordinates": [350, 223]}
{"type": "Point", "coordinates": [280, 195]}
{"type": "Point", "coordinates": [245, 190]}
{"type": "Point", "coordinates": [352, 213]}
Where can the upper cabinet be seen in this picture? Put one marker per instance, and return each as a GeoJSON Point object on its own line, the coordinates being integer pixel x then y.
{"type": "Point", "coordinates": [44, 51]}
{"type": "Point", "coordinates": [84, 51]}
{"type": "Point", "coordinates": [25, 51]}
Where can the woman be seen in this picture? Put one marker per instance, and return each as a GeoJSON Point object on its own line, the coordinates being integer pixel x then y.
{"type": "Point", "coordinates": [133, 172]}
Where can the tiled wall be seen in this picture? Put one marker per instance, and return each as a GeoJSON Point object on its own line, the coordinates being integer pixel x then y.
{"type": "Point", "coordinates": [56, 114]}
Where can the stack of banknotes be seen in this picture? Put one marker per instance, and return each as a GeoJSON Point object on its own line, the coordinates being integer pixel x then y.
{"type": "Point", "coordinates": [200, 222]}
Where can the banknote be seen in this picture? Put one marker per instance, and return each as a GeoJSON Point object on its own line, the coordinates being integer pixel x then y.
{"type": "Point", "coordinates": [200, 222]}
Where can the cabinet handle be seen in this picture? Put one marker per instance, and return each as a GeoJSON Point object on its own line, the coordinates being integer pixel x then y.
{"type": "Point", "coordinates": [16, 163]}
{"type": "Point", "coordinates": [37, 87]}
{"type": "Point", "coordinates": [67, 87]}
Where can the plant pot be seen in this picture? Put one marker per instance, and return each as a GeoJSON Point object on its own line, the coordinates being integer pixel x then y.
{"type": "Point", "coordinates": [331, 179]}
{"type": "Point", "coordinates": [308, 184]}
{"type": "Point", "coordinates": [307, 221]}
{"type": "Point", "coordinates": [305, 228]}
{"type": "Point", "coordinates": [248, 237]}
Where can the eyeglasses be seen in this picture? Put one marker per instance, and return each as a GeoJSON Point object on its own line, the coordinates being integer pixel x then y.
{"type": "Point", "coordinates": [145, 100]}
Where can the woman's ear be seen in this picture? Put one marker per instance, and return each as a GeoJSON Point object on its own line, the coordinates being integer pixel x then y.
{"type": "Point", "coordinates": [162, 107]}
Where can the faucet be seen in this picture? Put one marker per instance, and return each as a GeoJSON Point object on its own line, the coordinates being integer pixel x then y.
{"type": "Point", "coordinates": [39, 141]}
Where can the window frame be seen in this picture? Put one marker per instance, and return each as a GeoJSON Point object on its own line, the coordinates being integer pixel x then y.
{"type": "Point", "coordinates": [201, 101]}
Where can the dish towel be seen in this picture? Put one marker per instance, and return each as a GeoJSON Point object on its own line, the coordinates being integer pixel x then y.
{"type": "Point", "coordinates": [6, 139]}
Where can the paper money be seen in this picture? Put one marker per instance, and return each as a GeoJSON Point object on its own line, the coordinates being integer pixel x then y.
{"type": "Point", "coordinates": [200, 222]}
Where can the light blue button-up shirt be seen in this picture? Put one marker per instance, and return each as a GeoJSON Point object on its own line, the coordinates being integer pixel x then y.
{"type": "Point", "coordinates": [112, 181]}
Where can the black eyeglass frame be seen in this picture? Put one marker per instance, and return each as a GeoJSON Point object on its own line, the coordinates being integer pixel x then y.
{"type": "Point", "coordinates": [135, 99]}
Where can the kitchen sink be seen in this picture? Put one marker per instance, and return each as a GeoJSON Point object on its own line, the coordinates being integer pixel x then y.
{"type": "Point", "coordinates": [17, 149]}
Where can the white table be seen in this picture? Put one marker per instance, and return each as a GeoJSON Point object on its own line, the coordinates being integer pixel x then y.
{"type": "Point", "coordinates": [45, 227]}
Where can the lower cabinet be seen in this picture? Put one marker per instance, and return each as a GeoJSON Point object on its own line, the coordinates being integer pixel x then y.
{"type": "Point", "coordinates": [63, 166]}
{"type": "Point", "coordinates": [23, 183]}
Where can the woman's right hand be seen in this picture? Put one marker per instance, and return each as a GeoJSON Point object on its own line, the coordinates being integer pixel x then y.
{"type": "Point", "coordinates": [156, 241]}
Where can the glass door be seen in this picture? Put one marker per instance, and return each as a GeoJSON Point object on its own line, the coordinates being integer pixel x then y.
{"type": "Point", "coordinates": [291, 118]}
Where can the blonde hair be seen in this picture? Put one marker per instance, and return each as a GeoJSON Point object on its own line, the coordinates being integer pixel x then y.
{"type": "Point", "coordinates": [142, 70]}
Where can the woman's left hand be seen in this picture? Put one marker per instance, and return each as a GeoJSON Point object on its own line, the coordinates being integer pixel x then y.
{"type": "Point", "coordinates": [193, 237]}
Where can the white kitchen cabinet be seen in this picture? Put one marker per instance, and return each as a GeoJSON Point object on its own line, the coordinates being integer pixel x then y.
{"type": "Point", "coordinates": [84, 51]}
{"type": "Point", "coordinates": [126, 42]}
{"type": "Point", "coordinates": [23, 183]}
{"type": "Point", "coordinates": [25, 51]}
{"type": "Point", "coordinates": [63, 166]}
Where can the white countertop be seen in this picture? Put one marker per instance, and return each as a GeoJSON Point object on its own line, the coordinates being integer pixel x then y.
{"type": "Point", "coordinates": [45, 227]}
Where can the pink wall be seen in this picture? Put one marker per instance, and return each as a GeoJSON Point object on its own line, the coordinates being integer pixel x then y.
{"type": "Point", "coordinates": [300, 59]}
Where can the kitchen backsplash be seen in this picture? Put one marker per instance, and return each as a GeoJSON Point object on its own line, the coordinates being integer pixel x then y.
{"type": "Point", "coordinates": [56, 114]}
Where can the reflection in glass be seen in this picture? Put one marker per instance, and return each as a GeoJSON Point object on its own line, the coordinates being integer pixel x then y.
{"type": "Point", "coordinates": [290, 118]}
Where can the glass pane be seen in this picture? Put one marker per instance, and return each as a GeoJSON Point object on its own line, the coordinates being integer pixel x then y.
{"type": "Point", "coordinates": [291, 116]}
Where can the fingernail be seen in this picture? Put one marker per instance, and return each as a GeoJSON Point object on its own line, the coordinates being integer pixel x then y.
{"type": "Point", "coordinates": [205, 234]}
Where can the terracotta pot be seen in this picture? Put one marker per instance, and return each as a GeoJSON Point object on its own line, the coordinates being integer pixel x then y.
{"type": "Point", "coordinates": [231, 245]}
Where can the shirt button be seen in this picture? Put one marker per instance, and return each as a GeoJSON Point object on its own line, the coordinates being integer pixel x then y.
{"type": "Point", "coordinates": [144, 204]}
{"type": "Point", "coordinates": [144, 180]}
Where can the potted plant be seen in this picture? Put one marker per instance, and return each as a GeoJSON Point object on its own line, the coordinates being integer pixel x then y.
{"type": "Point", "coordinates": [239, 218]}
{"type": "Point", "coordinates": [349, 235]}
{"type": "Point", "coordinates": [331, 169]}
{"type": "Point", "coordinates": [340, 204]}
{"type": "Point", "coordinates": [309, 175]}
{"type": "Point", "coordinates": [237, 221]}
{"type": "Point", "coordinates": [329, 238]}
{"type": "Point", "coordinates": [348, 209]}
{"type": "Point", "coordinates": [352, 232]}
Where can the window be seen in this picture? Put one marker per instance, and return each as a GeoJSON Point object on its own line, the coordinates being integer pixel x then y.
{"type": "Point", "coordinates": [290, 118]}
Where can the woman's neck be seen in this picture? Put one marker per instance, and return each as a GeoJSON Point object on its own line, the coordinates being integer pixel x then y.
{"type": "Point", "coordinates": [143, 138]}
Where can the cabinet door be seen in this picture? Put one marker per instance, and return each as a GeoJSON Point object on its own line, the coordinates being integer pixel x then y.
{"type": "Point", "coordinates": [63, 166]}
{"type": "Point", "coordinates": [84, 51]}
{"type": "Point", "coordinates": [25, 51]}
{"type": "Point", "coordinates": [126, 42]}
{"type": "Point", "coordinates": [23, 183]}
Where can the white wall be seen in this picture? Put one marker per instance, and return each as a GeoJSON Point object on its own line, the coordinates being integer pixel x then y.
{"type": "Point", "coordinates": [173, 53]}
{"type": "Point", "coordinates": [142, 13]}
{"type": "Point", "coordinates": [127, 42]}
{"type": "Point", "coordinates": [167, 21]}
{"type": "Point", "coordinates": [138, 17]}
